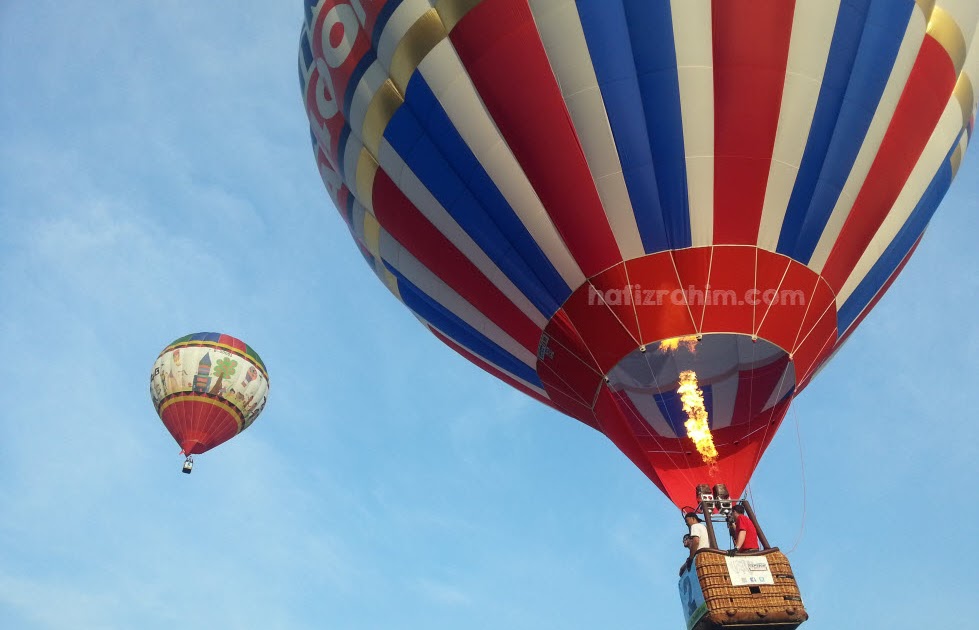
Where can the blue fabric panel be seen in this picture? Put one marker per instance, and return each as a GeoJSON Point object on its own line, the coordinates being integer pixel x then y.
{"type": "Point", "coordinates": [426, 140]}
{"type": "Point", "coordinates": [607, 33]}
{"type": "Point", "coordinates": [651, 31]}
{"type": "Point", "coordinates": [362, 66]}
{"type": "Point", "coordinates": [671, 407]}
{"type": "Point", "coordinates": [839, 66]}
{"type": "Point", "coordinates": [461, 332]}
{"type": "Point", "coordinates": [308, 6]}
{"type": "Point", "coordinates": [825, 167]}
{"type": "Point", "coordinates": [341, 149]}
{"type": "Point", "coordinates": [382, 21]}
{"type": "Point", "coordinates": [905, 239]}
{"type": "Point", "coordinates": [305, 61]}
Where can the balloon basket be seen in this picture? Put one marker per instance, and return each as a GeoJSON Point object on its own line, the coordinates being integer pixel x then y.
{"type": "Point", "coordinates": [755, 590]}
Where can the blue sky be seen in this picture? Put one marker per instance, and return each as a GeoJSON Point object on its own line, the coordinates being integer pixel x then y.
{"type": "Point", "coordinates": [156, 179]}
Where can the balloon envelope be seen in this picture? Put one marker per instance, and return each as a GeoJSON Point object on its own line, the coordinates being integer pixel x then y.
{"type": "Point", "coordinates": [208, 388]}
{"type": "Point", "coordinates": [553, 188]}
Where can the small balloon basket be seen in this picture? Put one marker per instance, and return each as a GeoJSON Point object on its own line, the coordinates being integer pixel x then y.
{"type": "Point", "coordinates": [754, 590]}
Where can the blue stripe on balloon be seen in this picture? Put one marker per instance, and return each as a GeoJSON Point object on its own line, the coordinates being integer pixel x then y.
{"type": "Point", "coordinates": [905, 239]}
{"type": "Point", "coordinates": [671, 408]}
{"type": "Point", "coordinates": [305, 61]}
{"type": "Point", "coordinates": [861, 59]}
{"type": "Point", "coordinates": [651, 29]}
{"type": "Point", "coordinates": [308, 7]}
{"type": "Point", "coordinates": [362, 66]}
{"type": "Point", "coordinates": [636, 74]}
{"type": "Point", "coordinates": [341, 149]}
{"type": "Point", "coordinates": [461, 332]}
{"type": "Point", "coordinates": [382, 20]}
{"type": "Point", "coordinates": [423, 135]}
{"type": "Point", "coordinates": [349, 210]}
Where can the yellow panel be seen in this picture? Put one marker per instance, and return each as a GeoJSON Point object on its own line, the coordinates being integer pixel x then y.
{"type": "Point", "coordinates": [386, 101]}
{"type": "Point", "coordinates": [366, 170]}
{"type": "Point", "coordinates": [372, 234]}
{"type": "Point", "coordinates": [956, 159]}
{"type": "Point", "coordinates": [964, 94]}
{"type": "Point", "coordinates": [420, 39]}
{"type": "Point", "coordinates": [943, 27]}
{"type": "Point", "coordinates": [451, 11]}
{"type": "Point", "coordinates": [392, 283]}
{"type": "Point", "coordinates": [926, 7]}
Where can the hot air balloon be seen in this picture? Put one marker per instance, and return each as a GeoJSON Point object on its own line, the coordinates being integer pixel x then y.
{"type": "Point", "coordinates": [207, 388]}
{"type": "Point", "coordinates": [590, 199]}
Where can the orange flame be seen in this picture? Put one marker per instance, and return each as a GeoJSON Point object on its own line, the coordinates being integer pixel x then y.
{"type": "Point", "coordinates": [697, 427]}
{"type": "Point", "coordinates": [671, 345]}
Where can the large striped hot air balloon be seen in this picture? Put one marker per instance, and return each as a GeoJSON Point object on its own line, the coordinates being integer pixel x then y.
{"type": "Point", "coordinates": [207, 388]}
{"type": "Point", "coordinates": [555, 188]}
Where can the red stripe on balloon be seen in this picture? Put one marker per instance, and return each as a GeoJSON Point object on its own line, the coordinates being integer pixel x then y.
{"type": "Point", "coordinates": [492, 369]}
{"type": "Point", "coordinates": [408, 226]}
{"type": "Point", "coordinates": [751, 47]}
{"type": "Point", "coordinates": [921, 106]}
{"type": "Point", "coordinates": [501, 49]}
{"type": "Point", "coordinates": [870, 306]}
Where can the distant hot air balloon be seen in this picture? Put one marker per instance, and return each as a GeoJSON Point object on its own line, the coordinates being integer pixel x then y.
{"type": "Point", "coordinates": [207, 388]}
{"type": "Point", "coordinates": [560, 191]}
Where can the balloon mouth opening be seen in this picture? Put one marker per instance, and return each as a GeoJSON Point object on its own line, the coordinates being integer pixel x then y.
{"type": "Point", "coordinates": [725, 379]}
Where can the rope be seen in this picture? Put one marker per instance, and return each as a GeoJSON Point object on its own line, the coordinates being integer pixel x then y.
{"type": "Point", "coordinates": [802, 468]}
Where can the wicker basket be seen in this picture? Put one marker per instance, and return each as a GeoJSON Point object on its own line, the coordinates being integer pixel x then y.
{"type": "Point", "coordinates": [747, 607]}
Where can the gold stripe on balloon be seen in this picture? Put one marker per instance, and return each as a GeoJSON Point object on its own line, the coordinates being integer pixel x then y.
{"type": "Point", "coordinates": [452, 11]}
{"type": "Point", "coordinates": [392, 283]}
{"type": "Point", "coordinates": [421, 38]}
{"type": "Point", "coordinates": [198, 397]}
{"type": "Point", "coordinates": [956, 160]}
{"type": "Point", "coordinates": [965, 95]}
{"type": "Point", "coordinates": [926, 7]}
{"type": "Point", "coordinates": [384, 104]}
{"type": "Point", "coordinates": [366, 171]}
{"type": "Point", "coordinates": [372, 234]}
{"type": "Point", "coordinates": [945, 30]}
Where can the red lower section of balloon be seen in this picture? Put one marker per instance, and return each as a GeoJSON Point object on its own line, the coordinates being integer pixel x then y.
{"type": "Point", "coordinates": [736, 297]}
{"type": "Point", "coordinates": [199, 422]}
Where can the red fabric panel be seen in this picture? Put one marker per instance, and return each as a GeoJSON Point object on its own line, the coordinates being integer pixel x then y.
{"type": "Point", "coordinates": [677, 473]}
{"type": "Point", "coordinates": [614, 425]}
{"type": "Point", "coordinates": [815, 345]}
{"type": "Point", "coordinates": [561, 330]}
{"type": "Point", "coordinates": [750, 46]}
{"type": "Point", "coordinates": [600, 329]}
{"type": "Point", "coordinates": [194, 418]}
{"type": "Point", "coordinates": [784, 319]}
{"type": "Point", "coordinates": [492, 369]}
{"type": "Point", "coordinates": [565, 372]}
{"type": "Point", "coordinates": [500, 47]}
{"type": "Point", "coordinates": [770, 270]}
{"type": "Point", "coordinates": [343, 198]}
{"type": "Point", "coordinates": [918, 112]}
{"type": "Point", "coordinates": [880, 294]}
{"type": "Point", "coordinates": [573, 408]}
{"type": "Point", "coordinates": [693, 270]}
{"type": "Point", "coordinates": [732, 276]}
{"type": "Point", "coordinates": [820, 300]}
{"type": "Point", "coordinates": [754, 389]}
{"type": "Point", "coordinates": [616, 278]}
{"type": "Point", "coordinates": [658, 316]}
{"type": "Point", "coordinates": [410, 228]}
